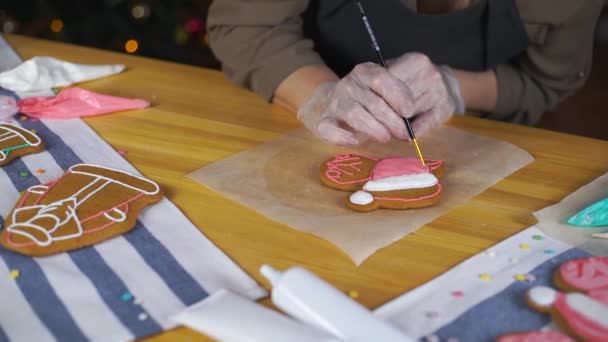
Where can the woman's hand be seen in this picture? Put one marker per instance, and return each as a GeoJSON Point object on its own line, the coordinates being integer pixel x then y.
{"type": "Point", "coordinates": [370, 100]}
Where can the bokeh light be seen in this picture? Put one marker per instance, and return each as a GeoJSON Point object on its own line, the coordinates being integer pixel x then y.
{"type": "Point", "coordinates": [131, 46]}
{"type": "Point", "coordinates": [56, 25]}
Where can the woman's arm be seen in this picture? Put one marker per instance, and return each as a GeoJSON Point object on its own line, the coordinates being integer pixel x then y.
{"type": "Point", "coordinates": [300, 85]}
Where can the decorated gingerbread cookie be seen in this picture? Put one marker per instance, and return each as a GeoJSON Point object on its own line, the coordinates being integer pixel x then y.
{"type": "Point", "coordinates": [87, 205]}
{"type": "Point", "coordinates": [536, 336]}
{"type": "Point", "coordinates": [16, 142]}
{"type": "Point", "coordinates": [577, 314]}
{"type": "Point", "coordinates": [392, 183]}
{"type": "Point", "coordinates": [588, 275]}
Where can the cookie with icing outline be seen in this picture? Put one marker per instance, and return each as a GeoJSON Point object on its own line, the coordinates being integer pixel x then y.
{"type": "Point", "coordinates": [17, 142]}
{"type": "Point", "coordinates": [391, 183]}
{"type": "Point", "coordinates": [588, 275]}
{"type": "Point", "coordinates": [578, 315]}
{"type": "Point", "coordinates": [85, 206]}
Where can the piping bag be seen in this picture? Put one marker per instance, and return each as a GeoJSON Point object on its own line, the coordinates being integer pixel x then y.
{"type": "Point", "coordinates": [595, 215]}
{"type": "Point", "coordinates": [69, 103]}
{"type": "Point", "coordinates": [42, 73]}
{"type": "Point", "coordinates": [307, 298]}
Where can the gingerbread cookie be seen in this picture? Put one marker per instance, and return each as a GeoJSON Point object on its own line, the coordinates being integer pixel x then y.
{"type": "Point", "coordinates": [16, 142]}
{"type": "Point", "coordinates": [536, 336]}
{"type": "Point", "coordinates": [87, 205]}
{"type": "Point", "coordinates": [588, 275]}
{"type": "Point", "coordinates": [577, 314]}
{"type": "Point", "coordinates": [391, 183]}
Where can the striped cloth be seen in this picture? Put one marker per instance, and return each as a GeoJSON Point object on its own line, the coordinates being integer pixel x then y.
{"type": "Point", "coordinates": [164, 262]}
{"type": "Point", "coordinates": [462, 306]}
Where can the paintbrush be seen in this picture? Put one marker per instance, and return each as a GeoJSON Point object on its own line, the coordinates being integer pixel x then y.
{"type": "Point", "coordinates": [376, 47]}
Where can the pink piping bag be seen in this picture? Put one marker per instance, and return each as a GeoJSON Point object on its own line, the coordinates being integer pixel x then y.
{"type": "Point", "coordinates": [77, 102]}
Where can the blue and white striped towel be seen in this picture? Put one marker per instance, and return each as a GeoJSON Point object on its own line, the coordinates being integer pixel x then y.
{"type": "Point", "coordinates": [164, 262]}
{"type": "Point", "coordinates": [460, 305]}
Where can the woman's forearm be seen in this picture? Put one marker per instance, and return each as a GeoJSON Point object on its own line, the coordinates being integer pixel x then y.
{"type": "Point", "coordinates": [299, 85]}
{"type": "Point", "coordinates": [479, 89]}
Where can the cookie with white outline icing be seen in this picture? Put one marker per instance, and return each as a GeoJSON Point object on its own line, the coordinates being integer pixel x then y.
{"type": "Point", "coordinates": [85, 206]}
{"type": "Point", "coordinates": [391, 183]}
{"type": "Point", "coordinates": [16, 142]}
{"type": "Point", "coordinates": [577, 314]}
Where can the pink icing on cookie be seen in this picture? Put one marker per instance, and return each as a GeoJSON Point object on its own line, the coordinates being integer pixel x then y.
{"type": "Point", "coordinates": [397, 166]}
{"type": "Point", "coordinates": [587, 320]}
{"type": "Point", "coordinates": [586, 274]}
{"type": "Point", "coordinates": [345, 164]}
{"type": "Point", "coordinates": [536, 336]}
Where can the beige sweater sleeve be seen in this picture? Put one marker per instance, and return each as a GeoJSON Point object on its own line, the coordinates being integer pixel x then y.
{"type": "Point", "coordinates": [549, 71]}
{"type": "Point", "coordinates": [260, 42]}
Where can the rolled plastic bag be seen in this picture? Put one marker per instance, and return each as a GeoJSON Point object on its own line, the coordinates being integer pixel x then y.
{"type": "Point", "coordinates": [41, 73]}
{"type": "Point", "coordinates": [8, 107]}
{"type": "Point", "coordinates": [77, 102]}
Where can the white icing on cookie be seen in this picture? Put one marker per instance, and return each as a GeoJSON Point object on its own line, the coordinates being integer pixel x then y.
{"type": "Point", "coordinates": [589, 307]}
{"type": "Point", "coordinates": [416, 181]}
{"type": "Point", "coordinates": [542, 296]}
{"type": "Point", "coordinates": [361, 198]}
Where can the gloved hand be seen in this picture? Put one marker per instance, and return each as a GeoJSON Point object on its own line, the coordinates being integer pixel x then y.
{"type": "Point", "coordinates": [369, 100]}
{"type": "Point", "coordinates": [436, 90]}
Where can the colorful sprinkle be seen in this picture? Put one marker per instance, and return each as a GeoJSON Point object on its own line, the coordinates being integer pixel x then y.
{"type": "Point", "coordinates": [490, 253]}
{"type": "Point", "coordinates": [537, 237]}
{"type": "Point", "coordinates": [24, 174]}
{"type": "Point", "coordinates": [33, 131]}
{"type": "Point", "coordinates": [484, 276]}
{"type": "Point", "coordinates": [353, 294]}
{"type": "Point", "coordinates": [35, 120]}
{"type": "Point", "coordinates": [432, 314]}
{"type": "Point", "coordinates": [452, 339]}
{"type": "Point", "coordinates": [457, 293]}
{"type": "Point", "coordinates": [142, 316]}
{"type": "Point", "coordinates": [137, 301]}
{"type": "Point", "coordinates": [514, 260]}
{"type": "Point", "coordinates": [549, 251]}
{"type": "Point", "coordinates": [40, 171]}
{"type": "Point", "coordinates": [122, 152]}
{"type": "Point", "coordinates": [15, 274]}
{"type": "Point", "coordinates": [432, 338]}
{"type": "Point", "coordinates": [524, 246]}
{"type": "Point", "coordinates": [126, 297]}
{"type": "Point", "coordinates": [520, 277]}
{"type": "Point", "coordinates": [530, 278]}
{"type": "Point", "coordinates": [23, 118]}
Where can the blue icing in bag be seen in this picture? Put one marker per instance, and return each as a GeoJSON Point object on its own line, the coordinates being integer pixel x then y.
{"type": "Point", "coordinates": [596, 215]}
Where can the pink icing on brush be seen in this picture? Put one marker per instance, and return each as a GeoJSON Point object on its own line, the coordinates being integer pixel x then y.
{"type": "Point", "coordinates": [536, 336]}
{"type": "Point", "coordinates": [588, 324]}
{"type": "Point", "coordinates": [586, 274]}
{"type": "Point", "coordinates": [398, 166]}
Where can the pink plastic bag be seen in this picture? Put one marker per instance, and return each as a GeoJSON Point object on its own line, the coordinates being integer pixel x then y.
{"type": "Point", "coordinates": [77, 102]}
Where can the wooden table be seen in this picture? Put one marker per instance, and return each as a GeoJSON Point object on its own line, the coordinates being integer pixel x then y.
{"type": "Point", "coordinates": [198, 118]}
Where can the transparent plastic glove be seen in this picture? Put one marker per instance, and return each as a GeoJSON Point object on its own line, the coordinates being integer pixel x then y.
{"type": "Point", "coordinates": [436, 89]}
{"type": "Point", "coordinates": [369, 100]}
{"type": "Point", "coordinates": [77, 102]}
{"type": "Point", "coordinates": [8, 107]}
{"type": "Point", "coordinates": [41, 73]}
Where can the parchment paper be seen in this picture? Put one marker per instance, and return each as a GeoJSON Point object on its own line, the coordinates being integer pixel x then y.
{"type": "Point", "coordinates": [552, 220]}
{"type": "Point", "coordinates": [280, 179]}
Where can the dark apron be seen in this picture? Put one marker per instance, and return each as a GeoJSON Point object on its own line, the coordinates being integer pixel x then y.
{"type": "Point", "coordinates": [476, 38]}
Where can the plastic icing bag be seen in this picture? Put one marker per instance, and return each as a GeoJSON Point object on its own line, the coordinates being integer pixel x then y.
{"type": "Point", "coordinates": [77, 102]}
{"type": "Point", "coordinates": [8, 107]}
{"type": "Point", "coordinates": [596, 215]}
{"type": "Point", "coordinates": [41, 73]}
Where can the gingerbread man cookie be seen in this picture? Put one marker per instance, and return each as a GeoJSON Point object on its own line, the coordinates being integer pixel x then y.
{"type": "Point", "coordinates": [16, 142]}
{"type": "Point", "coordinates": [577, 314]}
{"type": "Point", "coordinates": [87, 205]}
{"type": "Point", "coordinates": [392, 183]}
